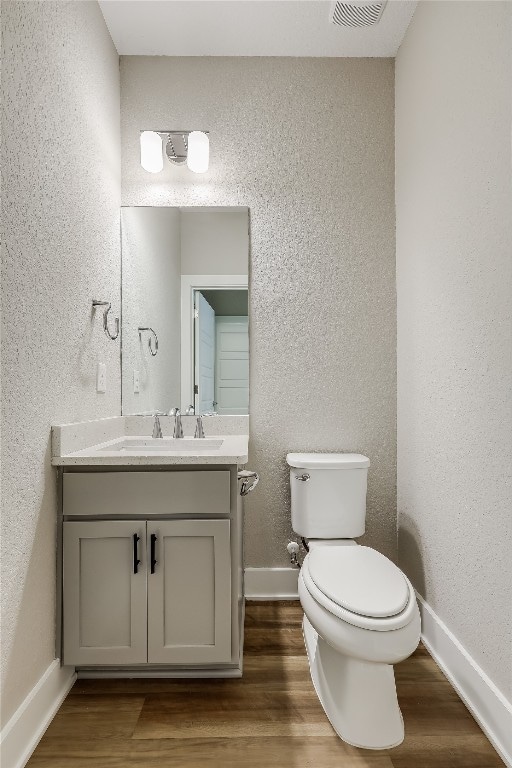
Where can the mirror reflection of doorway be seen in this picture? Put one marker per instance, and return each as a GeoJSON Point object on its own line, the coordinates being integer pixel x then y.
{"type": "Point", "coordinates": [221, 344]}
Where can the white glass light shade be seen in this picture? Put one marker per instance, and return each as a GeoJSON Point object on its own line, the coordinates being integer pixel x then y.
{"type": "Point", "coordinates": [151, 156]}
{"type": "Point", "coordinates": [198, 154]}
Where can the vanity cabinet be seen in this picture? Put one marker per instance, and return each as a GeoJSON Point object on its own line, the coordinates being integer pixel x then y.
{"type": "Point", "coordinates": [157, 593]}
{"type": "Point", "coordinates": [161, 587]}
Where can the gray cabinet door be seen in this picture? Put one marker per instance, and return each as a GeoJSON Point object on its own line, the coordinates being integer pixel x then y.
{"type": "Point", "coordinates": [105, 601]}
{"type": "Point", "coordinates": [189, 592]}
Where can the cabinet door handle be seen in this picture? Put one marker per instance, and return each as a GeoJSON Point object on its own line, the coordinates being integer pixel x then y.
{"type": "Point", "coordinates": [153, 548]}
{"type": "Point", "coordinates": [136, 560]}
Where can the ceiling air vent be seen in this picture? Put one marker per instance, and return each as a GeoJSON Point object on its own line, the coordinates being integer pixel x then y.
{"type": "Point", "coordinates": [356, 13]}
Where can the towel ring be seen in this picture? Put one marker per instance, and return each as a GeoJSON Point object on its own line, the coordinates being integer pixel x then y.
{"type": "Point", "coordinates": [152, 340]}
{"type": "Point", "coordinates": [246, 476]}
{"type": "Point", "coordinates": [107, 307]}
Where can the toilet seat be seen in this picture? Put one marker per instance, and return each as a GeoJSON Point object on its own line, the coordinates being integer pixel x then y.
{"type": "Point", "coordinates": [360, 579]}
{"type": "Point", "coordinates": [360, 586]}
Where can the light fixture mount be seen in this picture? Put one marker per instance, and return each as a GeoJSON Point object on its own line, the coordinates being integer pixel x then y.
{"type": "Point", "coordinates": [176, 146]}
{"type": "Point", "coordinates": [179, 150]}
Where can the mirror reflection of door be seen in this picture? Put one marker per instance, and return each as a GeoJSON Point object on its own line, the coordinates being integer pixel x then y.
{"type": "Point", "coordinates": [204, 355]}
{"type": "Point", "coordinates": [232, 365]}
{"type": "Point", "coordinates": [221, 351]}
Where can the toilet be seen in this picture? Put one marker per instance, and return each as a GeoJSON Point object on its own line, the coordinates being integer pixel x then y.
{"type": "Point", "coordinates": [360, 610]}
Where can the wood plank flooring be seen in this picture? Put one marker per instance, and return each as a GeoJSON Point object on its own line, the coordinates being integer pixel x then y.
{"type": "Point", "coordinates": [270, 718]}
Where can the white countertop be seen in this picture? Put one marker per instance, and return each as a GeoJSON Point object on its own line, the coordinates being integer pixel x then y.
{"type": "Point", "coordinates": [233, 450]}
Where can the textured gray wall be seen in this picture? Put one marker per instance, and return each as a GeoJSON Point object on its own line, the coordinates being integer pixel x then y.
{"type": "Point", "coordinates": [307, 144]}
{"type": "Point", "coordinates": [454, 276]}
{"type": "Point", "coordinates": [61, 181]}
{"type": "Point", "coordinates": [214, 242]}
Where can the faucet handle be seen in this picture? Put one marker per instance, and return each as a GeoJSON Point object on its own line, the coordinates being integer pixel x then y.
{"type": "Point", "coordinates": [178, 427]}
{"type": "Point", "coordinates": [199, 433]}
{"type": "Point", "coordinates": [174, 411]}
{"type": "Point", "coordinates": [157, 429]}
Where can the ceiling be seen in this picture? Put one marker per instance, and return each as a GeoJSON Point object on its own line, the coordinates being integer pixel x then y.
{"type": "Point", "coordinates": [228, 303]}
{"type": "Point", "coordinates": [248, 28]}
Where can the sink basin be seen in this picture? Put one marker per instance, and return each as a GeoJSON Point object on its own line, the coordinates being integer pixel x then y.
{"type": "Point", "coordinates": [168, 445]}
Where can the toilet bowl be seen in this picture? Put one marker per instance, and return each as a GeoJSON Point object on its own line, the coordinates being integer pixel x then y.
{"type": "Point", "coordinates": [360, 610]}
{"type": "Point", "coordinates": [351, 654]}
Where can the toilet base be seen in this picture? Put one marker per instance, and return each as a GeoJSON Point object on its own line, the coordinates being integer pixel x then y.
{"type": "Point", "coordinates": [358, 697]}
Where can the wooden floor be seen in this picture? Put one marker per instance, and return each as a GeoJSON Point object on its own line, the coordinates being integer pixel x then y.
{"type": "Point", "coordinates": [271, 717]}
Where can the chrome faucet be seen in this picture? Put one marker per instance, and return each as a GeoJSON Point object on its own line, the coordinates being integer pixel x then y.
{"type": "Point", "coordinates": [199, 433]}
{"type": "Point", "coordinates": [157, 428]}
{"type": "Point", "coordinates": [178, 427]}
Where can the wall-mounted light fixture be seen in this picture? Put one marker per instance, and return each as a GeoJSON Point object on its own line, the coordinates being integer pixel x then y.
{"type": "Point", "coordinates": [190, 147]}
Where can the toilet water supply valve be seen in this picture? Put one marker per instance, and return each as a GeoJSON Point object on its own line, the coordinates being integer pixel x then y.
{"type": "Point", "coordinates": [293, 549]}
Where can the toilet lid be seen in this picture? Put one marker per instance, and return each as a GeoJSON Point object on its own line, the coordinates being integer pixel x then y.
{"type": "Point", "coordinates": [359, 579]}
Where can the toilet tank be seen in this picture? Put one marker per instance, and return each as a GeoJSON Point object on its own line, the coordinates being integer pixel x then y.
{"type": "Point", "coordinates": [328, 492]}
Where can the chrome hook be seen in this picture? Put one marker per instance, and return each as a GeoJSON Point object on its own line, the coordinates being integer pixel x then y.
{"type": "Point", "coordinates": [108, 307]}
{"type": "Point", "coordinates": [152, 339]}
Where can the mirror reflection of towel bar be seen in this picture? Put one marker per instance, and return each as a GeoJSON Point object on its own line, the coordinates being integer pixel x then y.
{"type": "Point", "coordinates": [152, 339]}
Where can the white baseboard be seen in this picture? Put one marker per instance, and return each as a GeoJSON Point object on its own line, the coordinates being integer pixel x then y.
{"type": "Point", "coordinates": [21, 735]}
{"type": "Point", "coordinates": [485, 702]}
{"type": "Point", "coordinates": [271, 583]}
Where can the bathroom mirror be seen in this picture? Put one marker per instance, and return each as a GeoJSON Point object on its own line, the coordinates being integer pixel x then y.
{"type": "Point", "coordinates": [185, 333]}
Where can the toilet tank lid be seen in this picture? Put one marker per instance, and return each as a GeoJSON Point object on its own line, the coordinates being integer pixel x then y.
{"type": "Point", "coordinates": [327, 460]}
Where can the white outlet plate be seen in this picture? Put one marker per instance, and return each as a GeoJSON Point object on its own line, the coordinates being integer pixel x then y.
{"type": "Point", "coordinates": [101, 378]}
{"type": "Point", "coordinates": [136, 382]}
